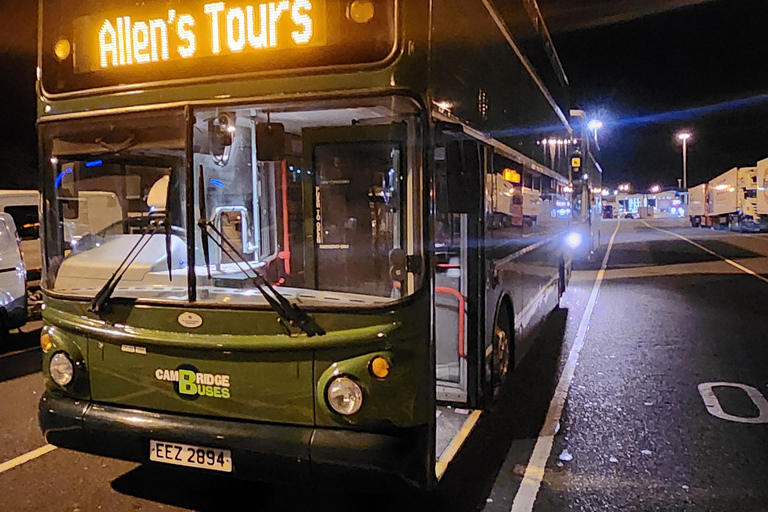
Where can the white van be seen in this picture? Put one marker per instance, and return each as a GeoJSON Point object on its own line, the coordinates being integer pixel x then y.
{"type": "Point", "coordinates": [13, 278]}
{"type": "Point", "coordinates": [90, 209]}
{"type": "Point", "coordinates": [24, 207]}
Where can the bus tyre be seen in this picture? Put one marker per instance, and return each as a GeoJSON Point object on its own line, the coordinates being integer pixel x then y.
{"type": "Point", "coordinates": [502, 348]}
{"type": "Point", "coordinates": [4, 332]}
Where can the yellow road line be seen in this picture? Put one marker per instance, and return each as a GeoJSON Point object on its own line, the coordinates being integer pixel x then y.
{"type": "Point", "coordinates": [21, 459]}
{"type": "Point", "coordinates": [713, 253]}
{"type": "Point", "coordinates": [456, 444]}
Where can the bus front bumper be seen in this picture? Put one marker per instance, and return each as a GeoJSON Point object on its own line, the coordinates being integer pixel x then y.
{"type": "Point", "coordinates": [260, 451]}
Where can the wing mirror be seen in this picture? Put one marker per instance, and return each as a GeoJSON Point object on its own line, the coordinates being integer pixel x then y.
{"type": "Point", "coordinates": [270, 142]}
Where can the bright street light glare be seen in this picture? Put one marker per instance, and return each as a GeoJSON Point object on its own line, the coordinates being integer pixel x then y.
{"type": "Point", "coordinates": [595, 124]}
{"type": "Point", "coordinates": [573, 240]}
{"type": "Point", "coordinates": [683, 136]}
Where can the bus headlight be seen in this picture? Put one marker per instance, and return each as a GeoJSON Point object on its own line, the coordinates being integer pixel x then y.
{"type": "Point", "coordinates": [573, 240]}
{"type": "Point", "coordinates": [344, 396]}
{"type": "Point", "coordinates": [61, 369]}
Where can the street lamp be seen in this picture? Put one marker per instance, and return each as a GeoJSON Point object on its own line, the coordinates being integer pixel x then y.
{"type": "Point", "coordinates": [684, 137]}
{"type": "Point", "coordinates": [655, 189]}
{"type": "Point", "coordinates": [595, 125]}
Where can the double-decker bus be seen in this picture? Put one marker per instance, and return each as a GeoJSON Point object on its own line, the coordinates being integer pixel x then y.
{"type": "Point", "coordinates": [328, 229]}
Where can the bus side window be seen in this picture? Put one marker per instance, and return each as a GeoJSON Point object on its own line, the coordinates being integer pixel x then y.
{"type": "Point", "coordinates": [463, 176]}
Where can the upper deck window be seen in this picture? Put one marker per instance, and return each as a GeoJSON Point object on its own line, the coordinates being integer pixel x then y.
{"type": "Point", "coordinates": [87, 45]}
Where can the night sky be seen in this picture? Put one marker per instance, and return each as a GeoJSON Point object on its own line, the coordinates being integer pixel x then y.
{"type": "Point", "coordinates": [651, 76]}
{"type": "Point", "coordinates": [646, 67]}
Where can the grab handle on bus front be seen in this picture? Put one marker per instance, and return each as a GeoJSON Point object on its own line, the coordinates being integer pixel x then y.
{"type": "Point", "coordinates": [462, 310]}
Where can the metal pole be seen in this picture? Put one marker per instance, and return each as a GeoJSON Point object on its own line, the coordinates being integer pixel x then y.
{"type": "Point", "coordinates": [685, 164]}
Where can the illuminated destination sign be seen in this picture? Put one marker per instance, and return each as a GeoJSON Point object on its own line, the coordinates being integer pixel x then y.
{"type": "Point", "coordinates": [92, 43]}
{"type": "Point", "coordinates": [221, 28]}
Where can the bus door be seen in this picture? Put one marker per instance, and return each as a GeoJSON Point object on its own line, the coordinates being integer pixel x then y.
{"type": "Point", "coordinates": [458, 198]}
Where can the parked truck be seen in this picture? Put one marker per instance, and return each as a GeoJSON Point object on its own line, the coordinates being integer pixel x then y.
{"type": "Point", "coordinates": [732, 201]}
{"type": "Point", "coordinates": [761, 193]}
{"type": "Point", "coordinates": [697, 205]}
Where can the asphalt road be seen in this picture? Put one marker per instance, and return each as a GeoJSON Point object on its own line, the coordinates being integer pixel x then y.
{"type": "Point", "coordinates": [634, 433]}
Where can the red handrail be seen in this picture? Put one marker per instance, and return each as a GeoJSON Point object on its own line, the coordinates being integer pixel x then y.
{"type": "Point", "coordinates": [286, 254]}
{"type": "Point", "coordinates": [462, 309]}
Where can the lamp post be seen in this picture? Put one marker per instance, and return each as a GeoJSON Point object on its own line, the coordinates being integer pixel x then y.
{"type": "Point", "coordinates": [595, 125]}
{"type": "Point", "coordinates": [684, 137]}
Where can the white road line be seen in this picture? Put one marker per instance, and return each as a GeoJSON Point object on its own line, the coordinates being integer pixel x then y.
{"type": "Point", "coordinates": [713, 253]}
{"type": "Point", "coordinates": [21, 459]}
{"type": "Point", "coordinates": [534, 472]}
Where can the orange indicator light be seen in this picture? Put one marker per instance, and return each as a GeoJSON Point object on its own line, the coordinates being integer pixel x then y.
{"type": "Point", "coordinates": [379, 367]}
{"type": "Point", "coordinates": [45, 342]}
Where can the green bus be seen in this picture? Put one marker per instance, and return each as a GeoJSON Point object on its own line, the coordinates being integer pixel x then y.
{"type": "Point", "coordinates": [320, 234]}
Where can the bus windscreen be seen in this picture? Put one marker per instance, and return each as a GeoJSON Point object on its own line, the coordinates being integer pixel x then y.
{"type": "Point", "coordinates": [92, 45]}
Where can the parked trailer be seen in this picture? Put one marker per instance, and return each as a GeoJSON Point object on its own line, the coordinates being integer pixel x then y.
{"type": "Point", "coordinates": [761, 193]}
{"type": "Point", "coordinates": [697, 205]}
{"type": "Point", "coordinates": [732, 200]}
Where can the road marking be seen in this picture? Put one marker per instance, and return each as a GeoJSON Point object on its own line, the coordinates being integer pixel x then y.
{"type": "Point", "coordinates": [534, 472]}
{"type": "Point", "coordinates": [456, 444]}
{"type": "Point", "coordinates": [21, 459]}
{"type": "Point", "coordinates": [706, 390]}
{"type": "Point", "coordinates": [713, 253]}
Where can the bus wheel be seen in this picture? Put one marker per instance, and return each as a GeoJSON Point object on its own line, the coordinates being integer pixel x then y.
{"type": "Point", "coordinates": [502, 348]}
{"type": "Point", "coordinates": [4, 331]}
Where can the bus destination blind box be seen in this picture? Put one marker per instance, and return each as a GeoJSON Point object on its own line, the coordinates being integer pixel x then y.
{"type": "Point", "coordinates": [125, 40]}
{"type": "Point", "coordinates": [87, 46]}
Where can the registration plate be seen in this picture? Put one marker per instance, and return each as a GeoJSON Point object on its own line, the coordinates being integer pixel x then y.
{"type": "Point", "coordinates": [190, 456]}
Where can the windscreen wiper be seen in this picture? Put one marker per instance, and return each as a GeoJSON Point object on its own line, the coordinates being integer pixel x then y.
{"type": "Point", "coordinates": [204, 215]}
{"type": "Point", "coordinates": [288, 311]}
{"type": "Point", "coordinates": [99, 302]}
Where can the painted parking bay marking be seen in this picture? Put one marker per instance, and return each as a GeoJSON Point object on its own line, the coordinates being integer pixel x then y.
{"type": "Point", "coordinates": [21, 459]}
{"type": "Point", "coordinates": [707, 392]}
